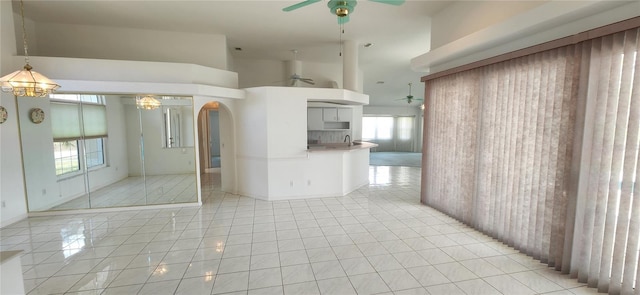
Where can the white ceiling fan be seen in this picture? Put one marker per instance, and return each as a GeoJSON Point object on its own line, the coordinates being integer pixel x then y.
{"type": "Point", "coordinates": [409, 98]}
{"type": "Point", "coordinates": [295, 77]}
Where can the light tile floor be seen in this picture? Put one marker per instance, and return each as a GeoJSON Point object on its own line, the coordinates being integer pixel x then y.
{"type": "Point", "coordinates": [377, 240]}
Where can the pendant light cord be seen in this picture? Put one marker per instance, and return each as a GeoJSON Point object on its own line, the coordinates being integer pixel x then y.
{"type": "Point", "coordinates": [24, 35]}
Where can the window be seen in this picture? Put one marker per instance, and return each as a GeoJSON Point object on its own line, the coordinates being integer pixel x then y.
{"type": "Point", "coordinates": [79, 128]}
{"type": "Point", "coordinates": [405, 128]}
{"type": "Point", "coordinates": [377, 128]}
{"type": "Point", "coordinates": [94, 152]}
{"type": "Point", "coordinates": [66, 156]}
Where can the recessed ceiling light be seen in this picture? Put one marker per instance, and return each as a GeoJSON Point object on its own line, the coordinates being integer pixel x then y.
{"type": "Point", "coordinates": [368, 45]}
{"type": "Point", "coordinates": [380, 82]}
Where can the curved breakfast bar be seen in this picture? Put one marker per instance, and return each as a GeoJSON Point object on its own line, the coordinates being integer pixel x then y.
{"type": "Point", "coordinates": [342, 168]}
{"type": "Point", "coordinates": [296, 148]}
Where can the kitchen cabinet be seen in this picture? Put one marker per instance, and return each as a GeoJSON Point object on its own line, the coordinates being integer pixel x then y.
{"type": "Point", "coordinates": [314, 119]}
{"type": "Point", "coordinates": [330, 114]}
{"type": "Point", "coordinates": [345, 115]}
{"type": "Point", "coordinates": [336, 114]}
{"type": "Point", "coordinates": [329, 119]}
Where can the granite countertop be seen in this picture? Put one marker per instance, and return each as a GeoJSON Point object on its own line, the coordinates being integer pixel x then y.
{"type": "Point", "coordinates": [322, 147]}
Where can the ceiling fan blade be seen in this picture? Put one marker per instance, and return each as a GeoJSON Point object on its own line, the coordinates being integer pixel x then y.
{"type": "Point", "coordinates": [392, 2]}
{"type": "Point", "coordinates": [308, 81]}
{"type": "Point", "coordinates": [300, 5]}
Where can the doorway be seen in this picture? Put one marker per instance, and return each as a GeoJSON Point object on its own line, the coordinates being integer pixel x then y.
{"type": "Point", "coordinates": [214, 139]}
{"type": "Point", "coordinates": [209, 121]}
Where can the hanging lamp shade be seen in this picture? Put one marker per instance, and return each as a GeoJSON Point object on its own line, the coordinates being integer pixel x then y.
{"type": "Point", "coordinates": [148, 103]}
{"type": "Point", "coordinates": [27, 82]}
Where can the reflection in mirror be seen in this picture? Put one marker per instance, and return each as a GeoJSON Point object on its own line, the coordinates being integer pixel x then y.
{"type": "Point", "coordinates": [177, 122]}
{"type": "Point", "coordinates": [169, 172]}
{"type": "Point", "coordinates": [90, 149]}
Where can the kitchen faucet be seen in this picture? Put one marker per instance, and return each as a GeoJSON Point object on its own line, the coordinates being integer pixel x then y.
{"type": "Point", "coordinates": [345, 139]}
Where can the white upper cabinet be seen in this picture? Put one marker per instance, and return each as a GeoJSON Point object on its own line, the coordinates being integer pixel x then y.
{"type": "Point", "coordinates": [329, 118]}
{"type": "Point", "coordinates": [345, 115]}
{"type": "Point", "coordinates": [336, 114]}
{"type": "Point", "coordinates": [314, 119]}
{"type": "Point", "coordinates": [330, 114]}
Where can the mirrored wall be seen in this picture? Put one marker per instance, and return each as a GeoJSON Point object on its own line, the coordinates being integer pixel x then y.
{"type": "Point", "coordinates": [84, 151]}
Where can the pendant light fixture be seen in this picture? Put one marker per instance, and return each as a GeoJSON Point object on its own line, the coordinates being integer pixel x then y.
{"type": "Point", "coordinates": [148, 102]}
{"type": "Point", "coordinates": [26, 82]}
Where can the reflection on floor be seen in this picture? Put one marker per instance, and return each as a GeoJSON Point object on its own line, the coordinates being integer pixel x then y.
{"type": "Point", "coordinates": [395, 159]}
{"type": "Point", "coordinates": [161, 189]}
{"type": "Point", "coordinates": [378, 239]}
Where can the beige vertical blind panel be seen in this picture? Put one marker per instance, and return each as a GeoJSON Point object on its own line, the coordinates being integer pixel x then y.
{"type": "Point", "coordinates": [609, 233]}
{"type": "Point", "coordinates": [499, 149]}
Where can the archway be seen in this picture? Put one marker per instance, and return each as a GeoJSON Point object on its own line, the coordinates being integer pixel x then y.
{"type": "Point", "coordinates": [216, 140]}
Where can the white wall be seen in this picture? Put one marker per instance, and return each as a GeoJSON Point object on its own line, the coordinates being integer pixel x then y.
{"type": "Point", "coordinates": [259, 72]}
{"type": "Point", "coordinates": [463, 18]}
{"type": "Point", "coordinates": [12, 190]}
{"type": "Point", "coordinates": [37, 149]}
{"type": "Point", "coordinates": [251, 142]}
{"type": "Point", "coordinates": [64, 40]}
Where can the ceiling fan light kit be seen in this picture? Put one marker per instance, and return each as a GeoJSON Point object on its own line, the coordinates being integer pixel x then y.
{"type": "Point", "coordinates": [340, 8]}
{"type": "Point", "coordinates": [409, 98]}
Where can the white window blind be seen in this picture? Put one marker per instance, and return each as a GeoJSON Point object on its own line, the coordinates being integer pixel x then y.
{"type": "Point", "coordinates": [94, 119]}
{"type": "Point", "coordinates": [65, 121]}
{"type": "Point", "coordinates": [68, 124]}
{"type": "Point", "coordinates": [405, 128]}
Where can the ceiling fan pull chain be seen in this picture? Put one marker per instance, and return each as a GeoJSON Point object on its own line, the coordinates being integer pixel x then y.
{"type": "Point", "coordinates": [340, 33]}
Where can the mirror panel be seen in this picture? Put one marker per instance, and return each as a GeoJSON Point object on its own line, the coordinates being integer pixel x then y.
{"type": "Point", "coordinates": [130, 166]}
{"type": "Point", "coordinates": [169, 170]}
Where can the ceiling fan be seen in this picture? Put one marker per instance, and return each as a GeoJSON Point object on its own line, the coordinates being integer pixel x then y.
{"type": "Point", "coordinates": [295, 77]}
{"type": "Point", "coordinates": [341, 8]}
{"type": "Point", "coordinates": [409, 98]}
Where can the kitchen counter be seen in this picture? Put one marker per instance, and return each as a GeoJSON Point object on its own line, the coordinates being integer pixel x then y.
{"type": "Point", "coordinates": [340, 146]}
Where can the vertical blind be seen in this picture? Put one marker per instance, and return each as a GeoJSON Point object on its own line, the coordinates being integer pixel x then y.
{"type": "Point", "coordinates": [499, 148]}
{"type": "Point", "coordinates": [608, 235]}
{"type": "Point", "coordinates": [499, 153]}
